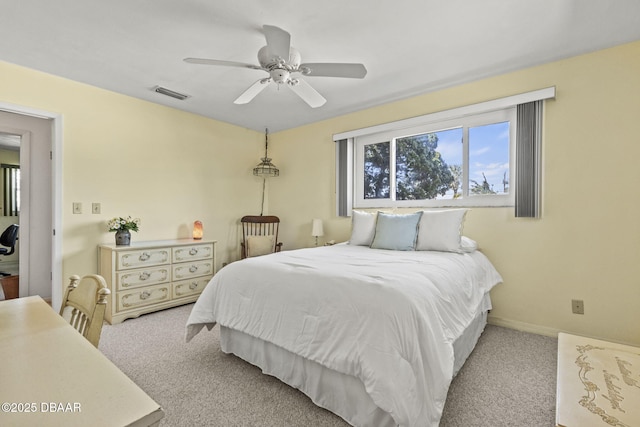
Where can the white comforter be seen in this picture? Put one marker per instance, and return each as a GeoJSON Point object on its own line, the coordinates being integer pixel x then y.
{"type": "Point", "coordinates": [388, 318]}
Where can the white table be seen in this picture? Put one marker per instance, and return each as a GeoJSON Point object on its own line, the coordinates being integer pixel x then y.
{"type": "Point", "coordinates": [50, 375]}
{"type": "Point", "coordinates": [598, 383]}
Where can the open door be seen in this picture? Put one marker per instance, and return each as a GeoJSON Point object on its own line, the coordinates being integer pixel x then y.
{"type": "Point", "coordinates": [31, 138]}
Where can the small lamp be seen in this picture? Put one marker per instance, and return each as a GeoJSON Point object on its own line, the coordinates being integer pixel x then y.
{"type": "Point", "coordinates": [197, 230]}
{"type": "Point", "coordinates": [316, 229]}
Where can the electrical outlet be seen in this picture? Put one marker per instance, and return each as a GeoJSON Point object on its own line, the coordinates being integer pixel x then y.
{"type": "Point", "coordinates": [95, 208]}
{"type": "Point", "coordinates": [577, 306]}
{"type": "Point", "coordinates": [77, 207]}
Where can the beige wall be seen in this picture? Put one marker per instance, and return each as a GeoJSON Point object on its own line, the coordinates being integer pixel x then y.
{"type": "Point", "coordinates": [170, 168]}
{"type": "Point", "coordinates": [167, 167]}
{"type": "Point", "coordinates": [587, 243]}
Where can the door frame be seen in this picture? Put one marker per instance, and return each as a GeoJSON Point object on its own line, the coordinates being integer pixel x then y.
{"type": "Point", "coordinates": [56, 193]}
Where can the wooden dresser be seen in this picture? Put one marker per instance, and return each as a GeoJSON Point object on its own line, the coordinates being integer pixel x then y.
{"type": "Point", "coordinates": [150, 276]}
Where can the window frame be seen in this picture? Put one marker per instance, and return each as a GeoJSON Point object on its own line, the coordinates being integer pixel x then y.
{"type": "Point", "coordinates": [345, 187]}
{"type": "Point", "coordinates": [441, 123]}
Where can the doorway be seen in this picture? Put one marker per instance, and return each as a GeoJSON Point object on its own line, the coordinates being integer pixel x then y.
{"type": "Point", "coordinates": [9, 214]}
{"type": "Point", "coordinates": [39, 135]}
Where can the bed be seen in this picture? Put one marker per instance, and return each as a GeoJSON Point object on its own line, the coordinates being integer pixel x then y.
{"type": "Point", "coordinates": [374, 335]}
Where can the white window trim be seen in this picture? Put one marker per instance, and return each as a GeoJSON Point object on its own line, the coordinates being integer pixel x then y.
{"type": "Point", "coordinates": [482, 107]}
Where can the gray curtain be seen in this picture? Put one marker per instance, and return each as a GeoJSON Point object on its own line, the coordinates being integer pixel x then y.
{"type": "Point", "coordinates": [343, 194]}
{"type": "Point", "coordinates": [528, 159]}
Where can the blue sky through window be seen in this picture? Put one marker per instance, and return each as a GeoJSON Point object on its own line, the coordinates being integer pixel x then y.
{"type": "Point", "coordinates": [488, 153]}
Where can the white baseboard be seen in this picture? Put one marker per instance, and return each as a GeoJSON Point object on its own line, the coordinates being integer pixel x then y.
{"type": "Point", "coordinates": [522, 326]}
{"type": "Point", "coordinates": [547, 331]}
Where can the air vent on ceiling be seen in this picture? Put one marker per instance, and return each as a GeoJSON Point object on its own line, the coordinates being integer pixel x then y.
{"type": "Point", "coordinates": [171, 93]}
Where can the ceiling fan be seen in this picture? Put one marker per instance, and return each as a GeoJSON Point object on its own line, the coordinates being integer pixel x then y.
{"type": "Point", "coordinates": [282, 61]}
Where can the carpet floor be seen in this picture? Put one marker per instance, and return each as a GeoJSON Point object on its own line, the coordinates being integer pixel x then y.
{"type": "Point", "coordinates": [509, 379]}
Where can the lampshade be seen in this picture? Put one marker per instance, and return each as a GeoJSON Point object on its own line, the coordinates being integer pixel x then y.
{"type": "Point", "coordinates": [316, 228]}
{"type": "Point", "coordinates": [265, 168]}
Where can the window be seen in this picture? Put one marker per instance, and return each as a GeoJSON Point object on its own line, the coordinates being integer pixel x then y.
{"type": "Point", "coordinates": [11, 189]}
{"type": "Point", "coordinates": [464, 161]}
{"type": "Point", "coordinates": [466, 156]}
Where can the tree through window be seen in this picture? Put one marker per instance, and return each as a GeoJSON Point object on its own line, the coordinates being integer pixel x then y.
{"type": "Point", "coordinates": [421, 171]}
{"type": "Point", "coordinates": [461, 159]}
{"type": "Point", "coordinates": [377, 171]}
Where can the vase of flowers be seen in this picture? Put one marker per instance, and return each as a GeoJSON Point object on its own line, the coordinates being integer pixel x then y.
{"type": "Point", "coordinates": [123, 228]}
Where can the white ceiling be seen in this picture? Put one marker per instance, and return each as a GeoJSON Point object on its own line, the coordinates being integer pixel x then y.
{"type": "Point", "coordinates": [408, 46]}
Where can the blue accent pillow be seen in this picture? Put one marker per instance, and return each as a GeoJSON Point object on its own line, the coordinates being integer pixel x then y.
{"type": "Point", "coordinates": [396, 232]}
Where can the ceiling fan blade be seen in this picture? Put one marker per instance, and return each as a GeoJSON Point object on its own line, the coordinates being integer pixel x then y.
{"type": "Point", "coordinates": [204, 61]}
{"type": "Point", "coordinates": [278, 41]}
{"type": "Point", "coordinates": [308, 94]}
{"type": "Point", "coordinates": [353, 71]}
{"type": "Point", "coordinates": [252, 92]}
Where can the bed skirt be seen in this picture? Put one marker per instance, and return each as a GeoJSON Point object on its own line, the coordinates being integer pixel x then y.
{"type": "Point", "coordinates": [344, 395]}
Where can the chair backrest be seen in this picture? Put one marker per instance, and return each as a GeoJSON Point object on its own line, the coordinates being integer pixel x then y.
{"type": "Point", "coordinates": [259, 235]}
{"type": "Point", "coordinates": [84, 304]}
{"type": "Point", "coordinates": [8, 238]}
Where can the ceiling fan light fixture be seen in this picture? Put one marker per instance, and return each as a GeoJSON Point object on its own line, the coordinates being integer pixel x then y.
{"type": "Point", "coordinates": [279, 75]}
{"type": "Point", "coordinates": [282, 61]}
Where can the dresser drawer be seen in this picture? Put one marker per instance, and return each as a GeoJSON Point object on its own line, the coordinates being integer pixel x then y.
{"type": "Point", "coordinates": [193, 286]}
{"type": "Point", "coordinates": [134, 298]}
{"type": "Point", "coordinates": [192, 253]}
{"type": "Point", "coordinates": [142, 277]}
{"type": "Point", "coordinates": [192, 269]}
{"type": "Point", "coordinates": [144, 257]}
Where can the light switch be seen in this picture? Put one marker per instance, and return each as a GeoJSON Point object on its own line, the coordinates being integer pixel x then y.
{"type": "Point", "coordinates": [77, 207]}
{"type": "Point", "coordinates": [95, 208]}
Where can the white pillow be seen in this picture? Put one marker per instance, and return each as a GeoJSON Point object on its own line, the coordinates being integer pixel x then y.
{"type": "Point", "coordinates": [363, 228]}
{"type": "Point", "coordinates": [441, 230]}
{"type": "Point", "coordinates": [468, 245]}
{"type": "Point", "coordinates": [260, 245]}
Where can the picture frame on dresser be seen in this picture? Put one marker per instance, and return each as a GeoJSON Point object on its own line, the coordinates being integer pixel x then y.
{"type": "Point", "coordinates": [150, 276]}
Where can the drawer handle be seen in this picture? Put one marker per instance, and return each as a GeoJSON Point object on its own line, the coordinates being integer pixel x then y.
{"type": "Point", "coordinates": [193, 269]}
{"type": "Point", "coordinates": [144, 276]}
{"type": "Point", "coordinates": [145, 256]}
{"type": "Point", "coordinates": [193, 286]}
{"type": "Point", "coordinates": [193, 251]}
{"type": "Point", "coordinates": [145, 295]}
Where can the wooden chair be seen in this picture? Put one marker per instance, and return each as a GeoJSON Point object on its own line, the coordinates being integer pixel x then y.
{"type": "Point", "coordinates": [84, 304]}
{"type": "Point", "coordinates": [259, 235]}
